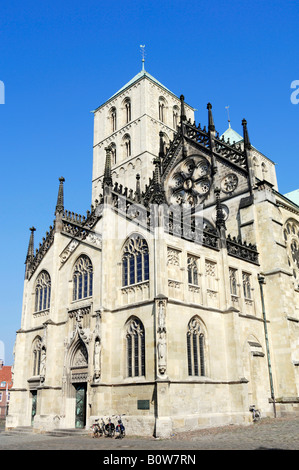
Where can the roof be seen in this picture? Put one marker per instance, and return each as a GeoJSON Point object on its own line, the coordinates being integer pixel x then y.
{"type": "Point", "coordinates": [5, 377]}
{"type": "Point", "coordinates": [232, 135]}
{"type": "Point", "coordinates": [139, 76]}
{"type": "Point", "coordinates": [293, 196]}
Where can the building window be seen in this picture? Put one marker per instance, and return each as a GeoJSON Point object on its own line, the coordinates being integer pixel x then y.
{"type": "Point", "coordinates": [135, 348]}
{"type": "Point", "coordinates": [82, 278]}
{"type": "Point", "coordinates": [233, 281]}
{"type": "Point", "coordinates": [135, 261]}
{"type": "Point", "coordinates": [246, 285]}
{"type": "Point", "coordinates": [192, 270]}
{"type": "Point", "coordinates": [162, 109]}
{"type": "Point", "coordinates": [195, 348]}
{"type": "Point", "coordinates": [42, 292]}
{"type": "Point", "coordinates": [113, 119]}
{"type": "Point", "coordinates": [127, 145]}
{"type": "Point", "coordinates": [127, 110]}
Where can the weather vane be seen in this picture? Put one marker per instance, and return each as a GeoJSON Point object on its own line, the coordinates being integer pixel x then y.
{"type": "Point", "coordinates": [227, 107]}
{"type": "Point", "coordinates": [143, 55]}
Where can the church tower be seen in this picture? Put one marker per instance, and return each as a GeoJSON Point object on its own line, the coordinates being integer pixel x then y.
{"type": "Point", "coordinates": [129, 123]}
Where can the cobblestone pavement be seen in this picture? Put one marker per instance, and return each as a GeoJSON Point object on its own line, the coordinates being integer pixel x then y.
{"type": "Point", "coordinates": [269, 434]}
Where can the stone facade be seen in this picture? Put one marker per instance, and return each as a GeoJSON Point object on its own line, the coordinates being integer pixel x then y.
{"type": "Point", "coordinates": [174, 300]}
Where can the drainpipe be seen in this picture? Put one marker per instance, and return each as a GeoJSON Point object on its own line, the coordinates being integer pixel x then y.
{"type": "Point", "coordinates": [261, 280]}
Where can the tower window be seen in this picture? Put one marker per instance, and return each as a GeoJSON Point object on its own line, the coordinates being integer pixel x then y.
{"type": "Point", "coordinates": [113, 119]}
{"type": "Point", "coordinates": [127, 110]}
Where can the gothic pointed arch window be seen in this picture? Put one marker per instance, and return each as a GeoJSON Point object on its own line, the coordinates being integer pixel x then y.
{"type": "Point", "coordinates": [196, 348]}
{"type": "Point", "coordinates": [127, 145]}
{"type": "Point", "coordinates": [162, 109]}
{"type": "Point", "coordinates": [42, 292]}
{"type": "Point", "coordinates": [82, 278]}
{"type": "Point", "coordinates": [135, 348]}
{"type": "Point", "coordinates": [113, 153]}
{"type": "Point", "coordinates": [113, 119]}
{"type": "Point", "coordinates": [135, 261]}
{"type": "Point", "coordinates": [127, 107]}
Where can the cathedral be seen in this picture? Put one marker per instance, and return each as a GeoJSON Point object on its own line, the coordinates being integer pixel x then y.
{"type": "Point", "coordinates": [175, 299]}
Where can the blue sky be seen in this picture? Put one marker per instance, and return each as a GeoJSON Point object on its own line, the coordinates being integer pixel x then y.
{"type": "Point", "coordinates": [59, 60]}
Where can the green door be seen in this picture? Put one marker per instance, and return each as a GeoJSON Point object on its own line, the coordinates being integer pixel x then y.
{"type": "Point", "coordinates": [33, 409]}
{"type": "Point", "coordinates": [80, 419]}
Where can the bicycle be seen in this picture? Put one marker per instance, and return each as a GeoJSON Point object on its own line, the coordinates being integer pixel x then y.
{"type": "Point", "coordinates": [109, 429]}
{"type": "Point", "coordinates": [96, 429]}
{"type": "Point", "coordinates": [256, 414]}
{"type": "Point", "coordinates": [120, 428]}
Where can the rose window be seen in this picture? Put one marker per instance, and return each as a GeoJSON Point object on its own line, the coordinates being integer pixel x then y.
{"type": "Point", "coordinates": [291, 236]}
{"type": "Point", "coordinates": [190, 181]}
{"type": "Point", "coordinates": [229, 183]}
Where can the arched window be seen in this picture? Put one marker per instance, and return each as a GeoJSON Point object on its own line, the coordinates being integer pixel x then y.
{"type": "Point", "coordinates": [127, 145]}
{"type": "Point", "coordinates": [246, 278]}
{"type": "Point", "coordinates": [113, 119]}
{"type": "Point", "coordinates": [127, 105]}
{"type": "Point", "coordinates": [42, 292]}
{"type": "Point", "coordinates": [162, 109]}
{"type": "Point", "coordinates": [192, 270]}
{"type": "Point", "coordinates": [82, 278]}
{"type": "Point", "coordinates": [135, 339]}
{"type": "Point", "coordinates": [195, 348]}
{"type": "Point", "coordinates": [135, 261]}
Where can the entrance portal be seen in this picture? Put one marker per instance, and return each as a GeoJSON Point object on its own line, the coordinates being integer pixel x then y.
{"type": "Point", "coordinates": [80, 417]}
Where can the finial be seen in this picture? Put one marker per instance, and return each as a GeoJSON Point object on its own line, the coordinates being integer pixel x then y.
{"type": "Point", "coordinates": [211, 120]}
{"type": "Point", "coordinates": [247, 143]}
{"type": "Point", "coordinates": [183, 115]}
{"type": "Point", "coordinates": [60, 197]}
{"type": "Point", "coordinates": [30, 252]}
{"type": "Point", "coordinates": [107, 180]}
{"type": "Point", "coordinates": [227, 107]}
{"type": "Point", "coordinates": [143, 56]}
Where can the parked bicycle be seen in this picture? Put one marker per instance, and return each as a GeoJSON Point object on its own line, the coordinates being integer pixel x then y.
{"type": "Point", "coordinates": [109, 428]}
{"type": "Point", "coordinates": [256, 414]}
{"type": "Point", "coordinates": [120, 428]}
{"type": "Point", "coordinates": [96, 429]}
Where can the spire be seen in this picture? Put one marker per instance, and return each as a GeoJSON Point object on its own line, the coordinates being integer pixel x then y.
{"type": "Point", "coordinates": [60, 198]}
{"type": "Point", "coordinates": [227, 107]}
{"type": "Point", "coordinates": [30, 252]}
{"type": "Point", "coordinates": [211, 120]}
{"type": "Point", "coordinates": [247, 144]}
{"type": "Point", "coordinates": [143, 56]}
{"type": "Point", "coordinates": [107, 180]}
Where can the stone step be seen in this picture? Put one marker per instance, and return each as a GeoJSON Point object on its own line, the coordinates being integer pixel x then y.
{"type": "Point", "coordinates": [68, 432]}
{"type": "Point", "coordinates": [20, 430]}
